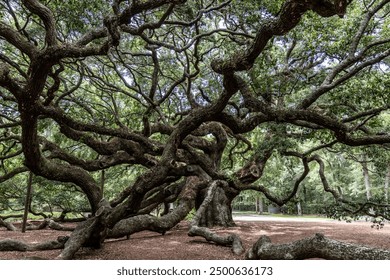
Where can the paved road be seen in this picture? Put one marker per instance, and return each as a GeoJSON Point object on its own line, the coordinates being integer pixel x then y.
{"type": "Point", "coordinates": [254, 217]}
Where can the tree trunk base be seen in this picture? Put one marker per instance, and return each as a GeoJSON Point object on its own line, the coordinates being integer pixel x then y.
{"type": "Point", "coordinates": [197, 228]}
{"type": "Point", "coordinates": [318, 246]}
{"type": "Point", "coordinates": [218, 212]}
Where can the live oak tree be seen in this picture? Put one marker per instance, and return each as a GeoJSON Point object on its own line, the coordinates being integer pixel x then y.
{"type": "Point", "coordinates": [188, 100]}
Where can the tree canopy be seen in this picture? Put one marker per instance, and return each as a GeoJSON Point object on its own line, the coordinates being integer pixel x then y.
{"type": "Point", "coordinates": [130, 105]}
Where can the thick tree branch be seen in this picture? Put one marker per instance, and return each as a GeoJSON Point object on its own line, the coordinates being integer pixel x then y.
{"type": "Point", "coordinates": [8, 83]}
{"type": "Point", "coordinates": [330, 82]}
{"type": "Point", "coordinates": [47, 17]}
{"type": "Point", "coordinates": [14, 245]}
{"type": "Point", "coordinates": [12, 173]}
{"type": "Point", "coordinates": [289, 16]}
{"type": "Point", "coordinates": [139, 6]}
{"type": "Point", "coordinates": [17, 40]}
{"type": "Point", "coordinates": [314, 247]}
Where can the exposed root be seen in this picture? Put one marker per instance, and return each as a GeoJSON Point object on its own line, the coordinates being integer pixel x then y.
{"type": "Point", "coordinates": [318, 246]}
{"type": "Point", "coordinates": [78, 238]}
{"type": "Point", "coordinates": [42, 225]}
{"type": "Point", "coordinates": [15, 245]}
{"type": "Point", "coordinates": [227, 240]}
{"type": "Point", "coordinates": [57, 226]}
{"type": "Point", "coordinates": [7, 225]}
{"type": "Point", "coordinates": [90, 233]}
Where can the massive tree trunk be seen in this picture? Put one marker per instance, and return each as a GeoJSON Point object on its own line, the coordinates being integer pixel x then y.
{"type": "Point", "coordinates": [314, 247]}
{"type": "Point", "coordinates": [219, 211]}
{"type": "Point", "coordinates": [232, 240]}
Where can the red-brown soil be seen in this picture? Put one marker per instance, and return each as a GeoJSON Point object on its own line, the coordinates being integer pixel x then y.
{"type": "Point", "coordinates": [176, 244]}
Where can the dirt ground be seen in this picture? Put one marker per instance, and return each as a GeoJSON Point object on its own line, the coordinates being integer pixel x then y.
{"type": "Point", "coordinates": [176, 244]}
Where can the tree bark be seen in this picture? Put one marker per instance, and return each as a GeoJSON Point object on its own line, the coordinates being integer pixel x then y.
{"type": "Point", "coordinates": [219, 211]}
{"type": "Point", "coordinates": [11, 227]}
{"type": "Point", "coordinates": [299, 209]}
{"type": "Point", "coordinates": [56, 226]}
{"type": "Point", "coordinates": [367, 183]}
{"type": "Point", "coordinates": [78, 238]}
{"type": "Point", "coordinates": [102, 181]}
{"type": "Point", "coordinates": [257, 205]}
{"type": "Point", "coordinates": [39, 226]}
{"type": "Point", "coordinates": [27, 201]}
{"type": "Point", "coordinates": [232, 240]}
{"type": "Point", "coordinates": [261, 205]}
{"type": "Point", "coordinates": [164, 223]}
{"type": "Point", "coordinates": [15, 245]}
{"type": "Point", "coordinates": [318, 246]}
{"type": "Point", "coordinates": [386, 187]}
{"type": "Point", "coordinates": [7, 225]}
{"type": "Point", "coordinates": [161, 224]}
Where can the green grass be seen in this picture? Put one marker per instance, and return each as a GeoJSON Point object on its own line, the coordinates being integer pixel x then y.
{"type": "Point", "coordinates": [311, 216]}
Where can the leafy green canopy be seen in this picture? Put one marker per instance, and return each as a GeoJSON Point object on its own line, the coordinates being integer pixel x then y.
{"type": "Point", "coordinates": [113, 98]}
